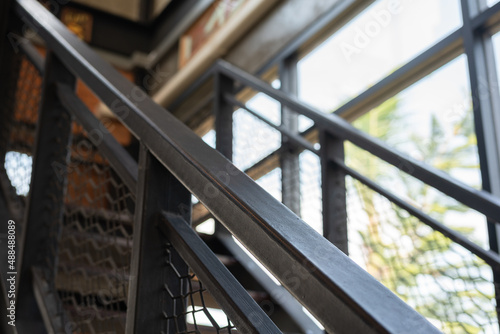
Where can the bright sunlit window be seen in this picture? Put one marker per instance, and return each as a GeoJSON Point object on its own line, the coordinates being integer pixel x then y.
{"type": "Point", "coordinates": [201, 318]}
{"type": "Point", "coordinates": [18, 167]}
{"type": "Point", "coordinates": [375, 43]}
{"type": "Point", "coordinates": [491, 2]}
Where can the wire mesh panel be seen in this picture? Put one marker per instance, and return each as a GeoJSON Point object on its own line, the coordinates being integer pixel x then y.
{"type": "Point", "coordinates": [446, 283]}
{"type": "Point", "coordinates": [95, 246]}
{"type": "Point", "coordinates": [187, 306]}
{"type": "Point", "coordinates": [19, 114]}
{"type": "Point", "coordinates": [253, 139]}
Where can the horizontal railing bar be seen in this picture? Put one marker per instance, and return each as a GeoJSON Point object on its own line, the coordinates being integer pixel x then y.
{"type": "Point", "coordinates": [488, 256]}
{"type": "Point", "coordinates": [479, 200]}
{"type": "Point", "coordinates": [324, 278]}
{"type": "Point", "coordinates": [121, 161]}
{"type": "Point", "coordinates": [296, 138]}
{"type": "Point", "coordinates": [33, 56]}
{"type": "Point", "coordinates": [227, 291]}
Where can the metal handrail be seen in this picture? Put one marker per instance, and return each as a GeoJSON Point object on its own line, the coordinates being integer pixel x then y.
{"type": "Point", "coordinates": [344, 297]}
{"type": "Point", "coordinates": [490, 257]}
{"type": "Point", "coordinates": [479, 200]}
{"type": "Point", "coordinates": [482, 201]}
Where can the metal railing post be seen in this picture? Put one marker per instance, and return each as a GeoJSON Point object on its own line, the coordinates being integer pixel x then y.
{"type": "Point", "coordinates": [289, 160]}
{"type": "Point", "coordinates": [333, 189]}
{"type": "Point", "coordinates": [157, 190]}
{"type": "Point", "coordinates": [485, 104]}
{"type": "Point", "coordinates": [223, 113]}
{"type": "Point", "coordinates": [44, 214]}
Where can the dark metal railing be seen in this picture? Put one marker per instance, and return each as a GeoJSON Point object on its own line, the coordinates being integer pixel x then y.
{"type": "Point", "coordinates": [333, 131]}
{"type": "Point", "coordinates": [163, 266]}
{"type": "Point", "coordinates": [482, 201]}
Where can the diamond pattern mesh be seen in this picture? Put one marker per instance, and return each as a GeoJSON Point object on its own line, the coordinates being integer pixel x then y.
{"type": "Point", "coordinates": [446, 283]}
{"type": "Point", "coordinates": [187, 306]}
{"type": "Point", "coordinates": [95, 246]}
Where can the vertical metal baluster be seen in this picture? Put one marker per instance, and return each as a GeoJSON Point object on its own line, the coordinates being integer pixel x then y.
{"type": "Point", "coordinates": [486, 104]}
{"type": "Point", "coordinates": [334, 192]}
{"type": "Point", "coordinates": [223, 112]}
{"type": "Point", "coordinates": [44, 214]}
{"type": "Point", "coordinates": [157, 190]}
{"type": "Point", "coordinates": [289, 160]}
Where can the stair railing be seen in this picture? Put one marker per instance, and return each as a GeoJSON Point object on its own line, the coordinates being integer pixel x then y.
{"type": "Point", "coordinates": [169, 262]}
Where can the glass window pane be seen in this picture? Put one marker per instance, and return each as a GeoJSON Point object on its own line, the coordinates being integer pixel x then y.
{"type": "Point", "coordinates": [266, 107]}
{"type": "Point", "coordinates": [496, 47]}
{"type": "Point", "coordinates": [209, 138]}
{"type": "Point", "coordinates": [253, 139]}
{"type": "Point", "coordinates": [491, 2]}
{"type": "Point", "coordinates": [271, 182]}
{"type": "Point", "coordinates": [432, 124]}
{"type": "Point", "coordinates": [378, 41]}
{"type": "Point", "coordinates": [311, 210]}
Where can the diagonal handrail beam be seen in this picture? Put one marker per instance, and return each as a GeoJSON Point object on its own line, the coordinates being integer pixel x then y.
{"type": "Point", "coordinates": [229, 293]}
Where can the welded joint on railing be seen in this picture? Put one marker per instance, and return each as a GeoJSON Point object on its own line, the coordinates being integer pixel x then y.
{"type": "Point", "coordinates": [227, 291]}
{"type": "Point", "coordinates": [490, 257]}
